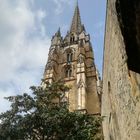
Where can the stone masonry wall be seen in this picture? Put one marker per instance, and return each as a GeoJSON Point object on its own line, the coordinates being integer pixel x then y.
{"type": "Point", "coordinates": [121, 86]}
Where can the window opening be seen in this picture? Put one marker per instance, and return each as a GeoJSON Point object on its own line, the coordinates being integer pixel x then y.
{"type": "Point", "coordinates": [68, 72]}
{"type": "Point", "coordinates": [69, 57]}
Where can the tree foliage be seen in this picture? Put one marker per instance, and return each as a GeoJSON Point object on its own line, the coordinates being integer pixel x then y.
{"type": "Point", "coordinates": [44, 115]}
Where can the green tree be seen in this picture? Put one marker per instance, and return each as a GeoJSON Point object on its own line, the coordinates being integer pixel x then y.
{"type": "Point", "coordinates": [44, 115]}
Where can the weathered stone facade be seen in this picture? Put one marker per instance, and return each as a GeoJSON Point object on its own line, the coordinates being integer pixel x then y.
{"type": "Point", "coordinates": [121, 71]}
{"type": "Point", "coordinates": [71, 60]}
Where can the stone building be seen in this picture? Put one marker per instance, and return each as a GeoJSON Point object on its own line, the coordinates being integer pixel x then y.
{"type": "Point", "coordinates": [71, 60]}
{"type": "Point", "coordinates": [121, 71]}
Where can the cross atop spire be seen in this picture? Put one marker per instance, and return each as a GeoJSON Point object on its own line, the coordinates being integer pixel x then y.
{"type": "Point", "coordinates": [76, 26]}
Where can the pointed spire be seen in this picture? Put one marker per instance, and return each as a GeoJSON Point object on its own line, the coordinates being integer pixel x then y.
{"type": "Point", "coordinates": [57, 38]}
{"type": "Point", "coordinates": [58, 33]}
{"type": "Point", "coordinates": [76, 2]}
{"type": "Point", "coordinates": [76, 25]}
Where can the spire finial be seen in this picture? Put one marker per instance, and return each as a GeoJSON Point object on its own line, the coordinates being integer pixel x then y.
{"type": "Point", "coordinates": [76, 2]}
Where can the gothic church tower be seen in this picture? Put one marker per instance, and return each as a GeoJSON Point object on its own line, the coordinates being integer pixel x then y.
{"type": "Point", "coordinates": [71, 59]}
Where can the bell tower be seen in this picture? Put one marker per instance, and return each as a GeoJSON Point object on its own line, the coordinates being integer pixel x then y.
{"type": "Point", "coordinates": [71, 59]}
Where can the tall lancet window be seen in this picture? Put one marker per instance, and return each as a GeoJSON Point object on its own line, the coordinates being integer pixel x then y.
{"type": "Point", "coordinates": [69, 57]}
{"type": "Point", "coordinates": [68, 72]}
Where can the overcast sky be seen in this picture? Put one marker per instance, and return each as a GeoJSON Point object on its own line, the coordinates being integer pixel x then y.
{"type": "Point", "coordinates": [26, 28]}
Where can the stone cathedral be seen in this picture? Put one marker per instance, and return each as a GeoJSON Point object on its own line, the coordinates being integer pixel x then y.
{"type": "Point", "coordinates": [71, 60]}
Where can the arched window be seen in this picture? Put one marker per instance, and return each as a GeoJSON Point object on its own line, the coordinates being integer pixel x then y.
{"type": "Point", "coordinates": [68, 72]}
{"type": "Point", "coordinates": [69, 57]}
